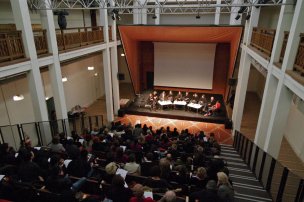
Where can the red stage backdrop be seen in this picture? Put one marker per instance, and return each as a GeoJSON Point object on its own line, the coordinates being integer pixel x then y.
{"type": "Point", "coordinates": [138, 46]}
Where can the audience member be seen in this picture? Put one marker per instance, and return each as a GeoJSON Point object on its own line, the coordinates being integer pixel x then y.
{"type": "Point", "coordinates": [138, 191]}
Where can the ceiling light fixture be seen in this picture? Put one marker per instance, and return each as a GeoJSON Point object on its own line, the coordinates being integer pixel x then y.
{"type": "Point", "coordinates": [64, 79]}
{"type": "Point", "coordinates": [122, 55]}
{"type": "Point", "coordinates": [18, 97]}
{"type": "Point", "coordinates": [96, 74]}
{"type": "Point", "coordinates": [90, 68]}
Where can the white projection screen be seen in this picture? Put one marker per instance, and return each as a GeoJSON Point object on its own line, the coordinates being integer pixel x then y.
{"type": "Point", "coordinates": [184, 65]}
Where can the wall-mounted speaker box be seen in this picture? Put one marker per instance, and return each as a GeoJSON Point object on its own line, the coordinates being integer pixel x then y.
{"type": "Point", "coordinates": [121, 112]}
{"type": "Point", "coordinates": [121, 77]}
{"type": "Point", "coordinates": [228, 124]}
{"type": "Point", "coordinates": [232, 82]}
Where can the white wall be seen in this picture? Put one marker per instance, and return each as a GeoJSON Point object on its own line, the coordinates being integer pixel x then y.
{"type": "Point", "coordinates": [122, 66]}
{"type": "Point", "coordinates": [186, 19]}
{"type": "Point", "coordinates": [20, 111]}
{"type": "Point", "coordinates": [269, 17]}
{"type": "Point", "coordinates": [82, 87]}
{"type": "Point", "coordinates": [294, 130]}
{"type": "Point", "coordinates": [256, 82]}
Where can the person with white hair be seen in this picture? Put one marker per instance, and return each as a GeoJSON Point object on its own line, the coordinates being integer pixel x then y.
{"type": "Point", "coordinates": [225, 190]}
{"type": "Point", "coordinates": [169, 196]}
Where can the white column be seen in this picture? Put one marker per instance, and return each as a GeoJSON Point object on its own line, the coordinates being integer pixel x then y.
{"type": "Point", "coordinates": [272, 82]}
{"type": "Point", "coordinates": [234, 13]}
{"type": "Point", "coordinates": [217, 13]}
{"type": "Point", "coordinates": [283, 96]}
{"type": "Point", "coordinates": [241, 89]}
{"type": "Point", "coordinates": [252, 22]}
{"type": "Point", "coordinates": [266, 109]}
{"type": "Point", "coordinates": [136, 14]}
{"type": "Point", "coordinates": [108, 84]}
{"type": "Point", "coordinates": [23, 23]}
{"type": "Point", "coordinates": [278, 120]}
{"type": "Point", "coordinates": [55, 68]}
{"type": "Point", "coordinates": [115, 82]}
{"type": "Point", "coordinates": [157, 13]}
{"type": "Point", "coordinates": [297, 27]}
{"type": "Point", "coordinates": [106, 66]}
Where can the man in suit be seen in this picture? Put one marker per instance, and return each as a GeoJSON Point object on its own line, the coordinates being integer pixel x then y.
{"type": "Point", "coordinates": [204, 103]}
{"type": "Point", "coordinates": [179, 96]}
{"type": "Point", "coordinates": [186, 98]}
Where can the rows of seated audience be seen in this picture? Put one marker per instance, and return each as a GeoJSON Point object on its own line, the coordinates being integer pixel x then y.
{"type": "Point", "coordinates": [173, 165]}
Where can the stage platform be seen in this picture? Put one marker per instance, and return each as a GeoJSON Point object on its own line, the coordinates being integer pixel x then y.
{"type": "Point", "coordinates": [139, 107]}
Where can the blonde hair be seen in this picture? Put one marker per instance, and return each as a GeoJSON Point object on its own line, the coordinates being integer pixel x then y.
{"type": "Point", "coordinates": [201, 172]}
{"type": "Point", "coordinates": [111, 168]}
{"type": "Point", "coordinates": [222, 178]}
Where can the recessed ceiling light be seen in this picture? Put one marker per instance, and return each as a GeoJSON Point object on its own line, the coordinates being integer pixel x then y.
{"type": "Point", "coordinates": [90, 68]}
{"type": "Point", "coordinates": [122, 55]}
{"type": "Point", "coordinates": [18, 97]}
{"type": "Point", "coordinates": [64, 79]}
{"type": "Point", "coordinates": [46, 98]}
{"type": "Point", "coordinates": [96, 74]}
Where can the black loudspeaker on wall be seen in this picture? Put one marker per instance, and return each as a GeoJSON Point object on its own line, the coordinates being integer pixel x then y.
{"type": "Point", "coordinates": [121, 77]}
{"type": "Point", "coordinates": [121, 112]}
{"type": "Point", "coordinates": [228, 124]}
{"type": "Point", "coordinates": [232, 82]}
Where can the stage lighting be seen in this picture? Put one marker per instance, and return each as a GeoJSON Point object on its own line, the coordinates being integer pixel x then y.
{"type": "Point", "coordinates": [242, 9]}
{"type": "Point", "coordinates": [154, 16]}
{"type": "Point", "coordinates": [261, 2]}
{"type": "Point", "coordinates": [198, 17]}
{"type": "Point", "coordinates": [248, 17]}
{"type": "Point", "coordinates": [237, 17]}
{"type": "Point", "coordinates": [118, 17]}
{"type": "Point", "coordinates": [113, 17]}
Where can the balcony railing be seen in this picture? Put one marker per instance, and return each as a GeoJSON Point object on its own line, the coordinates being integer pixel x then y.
{"type": "Point", "coordinates": [40, 41]}
{"type": "Point", "coordinates": [77, 37]}
{"type": "Point", "coordinates": [11, 46]}
{"type": "Point", "coordinates": [299, 61]}
{"type": "Point", "coordinates": [262, 39]}
{"type": "Point", "coordinates": [286, 34]}
{"type": "Point", "coordinates": [110, 33]}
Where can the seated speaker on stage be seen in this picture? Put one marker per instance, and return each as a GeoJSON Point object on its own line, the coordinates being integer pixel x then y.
{"type": "Point", "coordinates": [179, 96]}
{"type": "Point", "coordinates": [170, 96]}
{"type": "Point", "coordinates": [211, 102]}
{"type": "Point", "coordinates": [186, 98]}
{"type": "Point", "coordinates": [194, 99]}
{"type": "Point", "coordinates": [214, 108]}
{"type": "Point", "coordinates": [162, 96]}
{"type": "Point", "coordinates": [204, 103]}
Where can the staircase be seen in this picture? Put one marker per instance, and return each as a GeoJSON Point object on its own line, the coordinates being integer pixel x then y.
{"type": "Point", "coordinates": [246, 186]}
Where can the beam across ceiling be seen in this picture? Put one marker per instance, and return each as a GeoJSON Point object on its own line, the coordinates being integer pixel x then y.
{"type": "Point", "coordinates": [165, 6]}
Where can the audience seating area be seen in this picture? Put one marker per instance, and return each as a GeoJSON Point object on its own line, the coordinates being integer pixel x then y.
{"type": "Point", "coordinates": [168, 160]}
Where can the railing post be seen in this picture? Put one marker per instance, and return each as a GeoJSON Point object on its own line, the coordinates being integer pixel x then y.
{"type": "Point", "coordinates": [256, 153]}
{"type": "Point", "coordinates": [64, 127]}
{"type": "Point", "coordinates": [300, 192]}
{"type": "Point", "coordinates": [45, 40]}
{"type": "Point", "coordinates": [96, 121]}
{"type": "Point", "coordinates": [90, 123]}
{"type": "Point", "coordinates": [270, 174]}
{"type": "Point", "coordinates": [245, 152]}
{"type": "Point", "coordinates": [38, 132]}
{"type": "Point", "coordinates": [9, 48]}
{"type": "Point", "coordinates": [250, 153]}
{"type": "Point", "coordinates": [20, 132]}
{"type": "Point", "coordinates": [282, 184]}
{"type": "Point", "coordinates": [262, 166]}
{"type": "Point", "coordinates": [63, 40]}
{"type": "Point", "coordinates": [1, 136]}
{"type": "Point", "coordinates": [79, 33]}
